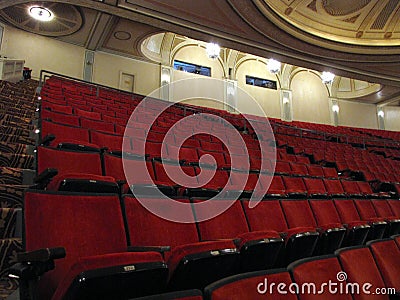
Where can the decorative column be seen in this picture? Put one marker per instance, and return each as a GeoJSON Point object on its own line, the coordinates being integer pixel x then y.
{"type": "Point", "coordinates": [165, 80]}
{"type": "Point", "coordinates": [286, 105]}
{"type": "Point", "coordinates": [334, 105]}
{"type": "Point", "coordinates": [381, 117]}
{"type": "Point", "coordinates": [230, 95]}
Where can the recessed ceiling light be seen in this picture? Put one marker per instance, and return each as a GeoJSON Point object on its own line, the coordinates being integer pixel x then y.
{"type": "Point", "coordinates": [41, 13]}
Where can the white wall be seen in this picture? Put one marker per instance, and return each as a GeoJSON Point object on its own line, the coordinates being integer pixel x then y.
{"type": "Point", "coordinates": [355, 114]}
{"type": "Point", "coordinates": [107, 68]}
{"type": "Point", "coordinates": [392, 118]}
{"type": "Point", "coordinates": [268, 99]}
{"type": "Point", "coordinates": [40, 52]}
{"type": "Point", "coordinates": [310, 98]}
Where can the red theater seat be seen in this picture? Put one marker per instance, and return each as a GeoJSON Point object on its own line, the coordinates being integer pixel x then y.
{"type": "Point", "coordinates": [62, 134]}
{"type": "Point", "coordinates": [268, 215]}
{"type": "Point", "coordinates": [192, 264]}
{"type": "Point", "coordinates": [75, 171]}
{"type": "Point", "coordinates": [315, 187]}
{"type": "Point", "coordinates": [383, 210]}
{"type": "Point", "coordinates": [258, 249]}
{"type": "Point", "coordinates": [318, 271]}
{"type": "Point", "coordinates": [351, 188]}
{"type": "Point", "coordinates": [315, 171]}
{"type": "Point", "coordinates": [360, 267]}
{"type": "Point", "coordinates": [96, 266]}
{"type": "Point", "coordinates": [294, 186]}
{"type": "Point", "coordinates": [349, 216]}
{"type": "Point", "coordinates": [334, 188]}
{"type": "Point", "coordinates": [368, 213]}
{"type": "Point", "coordinates": [299, 214]}
{"type": "Point", "coordinates": [387, 254]}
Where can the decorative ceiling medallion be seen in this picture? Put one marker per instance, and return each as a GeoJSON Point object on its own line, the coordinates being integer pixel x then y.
{"type": "Point", "coordinates": [50, 19]}
{"type": "Point", "coordinates": [367, 23]}
{"type": "Point", "coordinates": [122, 35]}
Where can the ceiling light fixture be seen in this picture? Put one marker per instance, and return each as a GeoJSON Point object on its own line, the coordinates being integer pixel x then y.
{"type": "Point", "coordinates": [274, 66]}
{"type": "Point", "coordinates": [40, 13]}
{"type": "Point", "coordinates": [213, 50]}
{"type": "Point", "coordinates": [327, 77]}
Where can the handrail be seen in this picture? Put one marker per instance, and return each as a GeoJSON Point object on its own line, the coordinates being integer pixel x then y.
{"type": "Point", "coordinates": [97, 85]}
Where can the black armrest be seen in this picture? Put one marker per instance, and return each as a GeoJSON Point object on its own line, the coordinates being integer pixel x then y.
{"type": "Point", "coordinates": [32, 265]}
{"type": "Point", "coordinates": [46, 176]}
{"type": "Point", "coordinates": [41, 255]}
{"type": "Point", "coordinates": [47, 139]}
{"type": "Point", "coordinates": [121, 182]}
{"type": "Point", "coordinates": [160, 249]}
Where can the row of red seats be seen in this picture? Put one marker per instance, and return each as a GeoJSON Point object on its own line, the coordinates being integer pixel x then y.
{"type": "Point", "coordinates": [375, 267]}
{"type": "Point", "coordinates": [139, 253]}
{"type": "Point", "coordinates": [108, 167]}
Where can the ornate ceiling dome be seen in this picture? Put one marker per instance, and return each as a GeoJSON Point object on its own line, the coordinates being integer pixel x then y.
{"type": "Point", "coordinates": [67, 18]}
{"type": "Point", "coordinates": [368, 23]}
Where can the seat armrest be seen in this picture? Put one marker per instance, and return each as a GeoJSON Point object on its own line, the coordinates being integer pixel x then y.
{"type": "Point", "coordinates": [44, 178]}
{"type": "Point", "coordinates": [47, 140]}
{"type": "Point", "coordinates": [160, 249]}
{"type": "Point", "coordinates": [34, 264]}
{"type": "Point", "coordinates": [41, 255]}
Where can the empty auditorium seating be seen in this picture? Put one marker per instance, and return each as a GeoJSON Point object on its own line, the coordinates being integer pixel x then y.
{"type": "Point", "coordinates": [192, 264]}
{"type": "Point", "coordinates": [358, 230]}
{"type": "Point", "coordinates": [386, 254]}
{"type": "Point", "coordinates": [62, 134]}
{"type": "Point", "coordinates": [367, 213]}
{"type": "Point", "coordinates": [85, 139]}
{"type": "Point", "coordinates": [268, 215]}
{"type": "Point", "coordinates": [73, 170]}
{"type": "Point", "coordinates": [383, 210]}
{"type": "Point", "coordinates": [299, 214]}
{"type": "Point", "coordinates": [317, 270]}
{"type": "Point", "coordinates": [315, 187]}
{"type": "Point", "coordinates": [96, 266]}
{"type": "Point", "coordinates": [258, 249]}
{"type": "Point", "coordinates": [359, 265]}
{"type": "Point", "coordinates": [294, 186]}
{"type": "Point", "coordinates": [334, 188]}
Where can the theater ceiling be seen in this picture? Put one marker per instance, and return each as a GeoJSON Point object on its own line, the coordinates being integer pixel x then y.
{"type": "Point", "coordinates": [357, 39]}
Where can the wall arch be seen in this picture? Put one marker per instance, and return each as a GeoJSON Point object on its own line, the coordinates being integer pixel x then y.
{"type": "Point", "coordinates": [268, 99]}
{"type": "Point", "coordinates": [310, 98]}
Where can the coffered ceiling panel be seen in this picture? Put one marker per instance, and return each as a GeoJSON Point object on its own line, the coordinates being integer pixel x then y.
{"type": "Point", "coordinates": [358, 22]}
{"type": "Point", "coordinates": [127, 36]}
